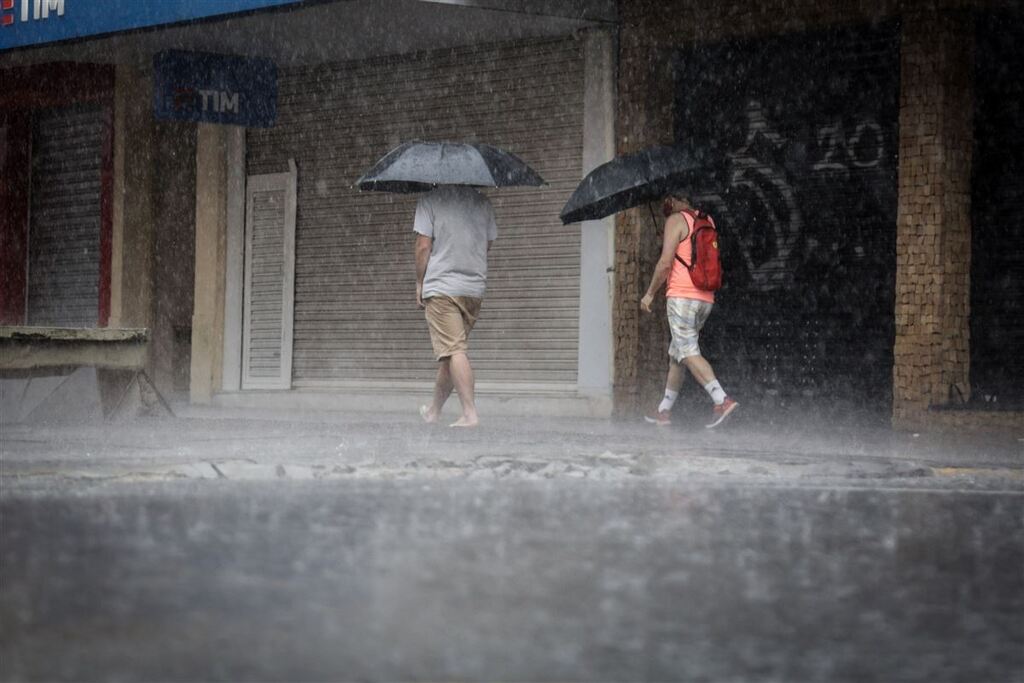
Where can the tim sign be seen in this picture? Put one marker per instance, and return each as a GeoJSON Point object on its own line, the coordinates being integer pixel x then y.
{"type": "Point", "coordinates": [29, 10]}
{"type": "Point", "coordinates": [25, 23]}
{"type": "Point", "coordinates": [214, 88]}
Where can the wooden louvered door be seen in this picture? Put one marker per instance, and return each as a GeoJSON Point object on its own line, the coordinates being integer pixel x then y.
{"type": "Point", "coordinates": [269, 281]}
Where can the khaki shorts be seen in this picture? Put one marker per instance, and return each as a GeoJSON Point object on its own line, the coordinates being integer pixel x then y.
{"type": "Point", "coordinates": [450, 319]}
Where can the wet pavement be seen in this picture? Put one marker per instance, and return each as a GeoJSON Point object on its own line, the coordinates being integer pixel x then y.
{"type": "Point", "coordinates": [350, 446]}
{"type": "Point", "coordinates": [555, 580]}
{"type": "Point", "coordinates": [261, 550]}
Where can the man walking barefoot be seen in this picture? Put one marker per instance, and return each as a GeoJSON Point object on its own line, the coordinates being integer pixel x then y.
{"type": "Point", "coordinates": [455, 228]}
{"type": "Point", "coordinates": [688, 309]}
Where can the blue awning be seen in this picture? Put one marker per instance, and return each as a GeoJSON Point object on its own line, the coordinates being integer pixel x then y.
{"type": "Point", "coordinates": [37, 22]}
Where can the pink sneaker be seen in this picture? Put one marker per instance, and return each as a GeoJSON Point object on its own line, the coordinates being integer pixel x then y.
{"type": "Point", "coordinates": [660, 418]}
{"type": "Point", "coordinates": [719, 413]}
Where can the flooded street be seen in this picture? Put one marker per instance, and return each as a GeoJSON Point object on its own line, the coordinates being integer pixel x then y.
{"type": "Point", "coordinates": [512, 580]}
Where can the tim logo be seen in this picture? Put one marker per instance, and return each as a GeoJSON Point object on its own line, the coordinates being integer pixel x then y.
{"type": "Point", "coordinates": [31, 10]}
{"type": "Point", "coordinates": [218, 101]}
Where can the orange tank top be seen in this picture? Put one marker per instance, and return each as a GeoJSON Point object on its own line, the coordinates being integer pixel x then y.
{"type": "Point", "coordinates": [680, 285]}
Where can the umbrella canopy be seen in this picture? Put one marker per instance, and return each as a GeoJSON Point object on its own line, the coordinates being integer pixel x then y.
{"type": "Point", "coordinates": [633, 179]}
{"type": "Point", "coordinates": [419, 166]}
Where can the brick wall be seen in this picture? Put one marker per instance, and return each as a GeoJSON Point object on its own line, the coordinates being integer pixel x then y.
{"type": "Point", "coordinates": [933, 240]}
{"type": "Point", "coordinates": [644, 115]}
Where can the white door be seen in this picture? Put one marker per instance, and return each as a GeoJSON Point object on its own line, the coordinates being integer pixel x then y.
{"type": "Point", "coordinates": [269, 292]}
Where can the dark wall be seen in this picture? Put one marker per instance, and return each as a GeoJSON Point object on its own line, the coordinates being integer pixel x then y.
{"type": "Point", "coordinates": [997, 199]}
{"type": "Point", "coordinates": [174, 210]}
{"type": "Point", "coordinates": [804, 128]}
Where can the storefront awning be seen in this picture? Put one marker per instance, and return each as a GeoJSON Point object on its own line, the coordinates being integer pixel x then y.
{"type": "Point", "coordinates": [38, 22]}
{"type": "Point", "coordinates": [292, 32]}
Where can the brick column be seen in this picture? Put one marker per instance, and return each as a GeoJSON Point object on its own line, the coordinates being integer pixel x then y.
{"type": "Point", "coordinates": [644, 114]}
{"type": "Point", "coordinates": [933, 238]}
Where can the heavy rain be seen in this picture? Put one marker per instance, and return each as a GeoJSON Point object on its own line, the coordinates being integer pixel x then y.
{"type": "Point", "coordinates": [534, 340]}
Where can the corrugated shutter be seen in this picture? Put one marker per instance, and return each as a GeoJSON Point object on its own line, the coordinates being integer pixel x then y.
{"type": "Point", "coordinates": [64, 223]}
{"type": "Point", "coordinates": [806, 125]}
{"type": "Point", "coordinates": [355, 317]}
{"type": "Point", "coordinates": [269, 278]}
{"type": "Point", "coordinates": [997, 250]}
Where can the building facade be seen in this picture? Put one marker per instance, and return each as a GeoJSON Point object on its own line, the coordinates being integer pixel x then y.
{"type": "Point", "coordinates": [268, 281]}
{"type": "Point", "coordinates": [862, 199]}
{"type": "Point", "coordinates": [864, 170]}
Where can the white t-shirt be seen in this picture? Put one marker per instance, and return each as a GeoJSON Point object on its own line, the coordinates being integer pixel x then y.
{"type": "Point", "coordinates": [461, 222]}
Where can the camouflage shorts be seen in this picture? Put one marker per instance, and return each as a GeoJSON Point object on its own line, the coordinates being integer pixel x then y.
{"type": "Point", "coordinates": [686, 317]}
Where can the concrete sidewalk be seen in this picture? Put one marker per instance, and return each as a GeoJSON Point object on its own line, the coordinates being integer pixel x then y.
{"type": "Point", "coordinates": [235, 445]}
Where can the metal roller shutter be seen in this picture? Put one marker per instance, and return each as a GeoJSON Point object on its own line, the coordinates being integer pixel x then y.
{"type": "Point", "coordinates": [355, 318]}
{"type": "Point", "coordinates": [807, 126]}
{"type": "Point", "coordinates": [997, 268]}
{"type": "Point", "coordinates": [64, 223]}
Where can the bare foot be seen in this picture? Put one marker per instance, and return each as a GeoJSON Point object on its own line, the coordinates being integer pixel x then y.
{"type": "Point", "coordinates": [428, 415]}
{"type": "Point", "coordinates": [466, 422]}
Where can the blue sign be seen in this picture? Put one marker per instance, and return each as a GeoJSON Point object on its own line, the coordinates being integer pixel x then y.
{"type": "Point", "coordinates": [35, 22]}
{"type": "Point", "coordinates": [201, 86]}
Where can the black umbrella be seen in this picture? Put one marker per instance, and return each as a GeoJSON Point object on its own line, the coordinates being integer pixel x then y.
{"type": "Point", "coordinates": [633, 179]}
{"type": "Point", "coordinates": [419, 166]}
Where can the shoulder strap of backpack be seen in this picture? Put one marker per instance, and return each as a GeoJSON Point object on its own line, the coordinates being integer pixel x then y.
{"type": "Point", "coordinates": [692, 231]}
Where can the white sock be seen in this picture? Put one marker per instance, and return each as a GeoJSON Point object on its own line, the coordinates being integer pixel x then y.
{"type": "Point", "coordinates": [668, 401]}
{"type": "Point", "coordinates": [715, 391]}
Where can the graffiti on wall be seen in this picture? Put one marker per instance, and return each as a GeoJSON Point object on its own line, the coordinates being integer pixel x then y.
{"type": "Point", "coordinates": [760, 195]}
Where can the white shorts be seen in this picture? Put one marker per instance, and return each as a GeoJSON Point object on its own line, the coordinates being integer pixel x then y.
{"type": "Point", "coordinates": [685, 319]}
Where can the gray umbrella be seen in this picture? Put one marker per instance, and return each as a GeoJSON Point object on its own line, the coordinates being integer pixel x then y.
{"type": "Point", "coordinates": [633, 179]}
{"type": "Point", "coordinates": [419, 166]}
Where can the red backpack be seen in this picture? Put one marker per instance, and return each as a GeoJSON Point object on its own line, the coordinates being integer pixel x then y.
{"type": "Point", "coordinates": [706, 267]}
